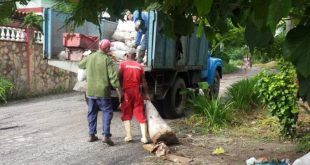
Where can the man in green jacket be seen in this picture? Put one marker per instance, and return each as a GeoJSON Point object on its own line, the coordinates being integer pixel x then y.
{"type": "Point", "coordinates": [101, 77]}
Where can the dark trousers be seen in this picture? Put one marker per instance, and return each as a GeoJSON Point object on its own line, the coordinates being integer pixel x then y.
{"type": "Point", "coordinates": [105, 105]}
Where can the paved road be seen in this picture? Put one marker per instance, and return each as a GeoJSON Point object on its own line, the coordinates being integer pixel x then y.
{"type": "Point", "coordinates": [53, 130]}
{"type": "Point", "coordinates": [229, 79]}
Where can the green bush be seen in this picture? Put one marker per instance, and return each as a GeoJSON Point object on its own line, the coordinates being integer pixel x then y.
{"type": "Point", "coordinates": [278, 92]}
{"type": "Point", "coordinates": [242, 94]}
{"type": "Point", "coordinates": [6, 87]}
{"type": "Point", "coordinates": [223, 56]}
{"type": "Point", "coordinates": [215, 113]}
{"type": "Point", "coordinates": [229, 68]}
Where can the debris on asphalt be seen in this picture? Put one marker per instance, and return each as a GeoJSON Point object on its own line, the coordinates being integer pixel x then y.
{"type": "Point", "coordinates": [218, 151]}
{"type": "Point", "coordinates": [162, 150]}
{"type": "Point", "coordinates": [267, 161]}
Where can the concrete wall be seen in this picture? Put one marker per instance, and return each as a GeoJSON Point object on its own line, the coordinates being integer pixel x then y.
{"type": "Point", "coordinates": [43, 78]}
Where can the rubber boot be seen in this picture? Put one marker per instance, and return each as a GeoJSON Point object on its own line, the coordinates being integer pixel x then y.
{"type": "Point", "coordinates": [144, 133]}
{"type": "Point", "coordinates": [127, 126]}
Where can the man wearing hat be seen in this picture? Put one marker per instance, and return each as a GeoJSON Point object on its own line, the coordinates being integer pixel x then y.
{"type": "Point", "coordinates": [131, 76]}
{"type": "Point", "coordinates": [100, 77]}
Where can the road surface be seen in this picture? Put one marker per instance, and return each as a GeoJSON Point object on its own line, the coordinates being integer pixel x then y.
{"type": "Point", "coordinates": [53, 130]}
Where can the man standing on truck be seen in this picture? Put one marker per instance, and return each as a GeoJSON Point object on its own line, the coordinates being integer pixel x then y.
{"type": "Point", "coordinates": [100, 77]}
{"type": "Point", "coordinates": [140, 19]}
{"type": "Point", "coordinates": [131, 76]}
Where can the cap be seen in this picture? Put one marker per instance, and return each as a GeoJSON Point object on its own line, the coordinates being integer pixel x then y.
{"type": "Point", "coordinates": [105, 43]}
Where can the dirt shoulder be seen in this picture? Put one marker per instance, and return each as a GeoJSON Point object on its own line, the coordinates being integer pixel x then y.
{"type": "Point", "coordinates": [238, 145]}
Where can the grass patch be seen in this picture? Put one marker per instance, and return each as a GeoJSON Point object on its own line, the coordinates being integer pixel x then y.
{"type": "Point", "coordinates": [269, 65]}
{"type": "Point", "coordinates": [229, 68]}
{"type": "Point", "coordinates": [6, 87]}
{"type": "Point", "coordinates": [209, 113]}
{"type": "Point", "coordinates": [242, 95]}
{"type": "Point", "coordinates": [303, 144]}
{"type": "Point", "coordinates": [236, 62]}
{"type": "Point", "coordinates": [256, 124]}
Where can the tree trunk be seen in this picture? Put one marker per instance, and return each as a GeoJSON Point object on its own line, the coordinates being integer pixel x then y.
{"type": "Point", "coordinates": [159, 130]}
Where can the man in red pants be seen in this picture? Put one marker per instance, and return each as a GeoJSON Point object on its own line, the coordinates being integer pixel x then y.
{"type": "Point", "coordinates": [131, 76]}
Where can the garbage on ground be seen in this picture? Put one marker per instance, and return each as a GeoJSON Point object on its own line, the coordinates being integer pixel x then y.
{"type": "Point", "coordinates": [218, 151]}
{"type": "Point", "coordinates": [162, 150]}
{"type": "Point", "coordinates": [266, 161]}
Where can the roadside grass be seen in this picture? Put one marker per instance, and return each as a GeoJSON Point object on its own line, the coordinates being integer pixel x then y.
{"type": "Point", "coordinates": [242, 95]}
{"type": "Point", "coordinates": [236, 62]}
{"type": "Point", "coordinates": [303, 144]}
{"type": "Point", "coordinates": [6, 87]}
{"type": "Point", "coordinates": [257, 124]}
{"type": "Point", "coordinates": [269, 65]}
{"type": "Point", "coordinates": [229, 68]}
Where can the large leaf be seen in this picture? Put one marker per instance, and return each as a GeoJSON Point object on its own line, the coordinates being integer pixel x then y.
{"type": "Point", "coordinates": [260, 12]}
{"type": "Point", "coordinates": [296, 49]}
{"type": "Point", "coordinates": [304, 87]}
{"type": "Point", "coordinates": [7, 9]}
{"type": "Point", "coordinates": [277, 10]}
{"type": "Point", "coordinates": [183, 25]}
{"type": "Point", "coordinates": [210, 34]}
{"type": "Point", "coordinates": [200, 28]}
{"type": "Point", "coordinates": [257, 38]}
{"type": "Point", "coordinates": [203, 6]}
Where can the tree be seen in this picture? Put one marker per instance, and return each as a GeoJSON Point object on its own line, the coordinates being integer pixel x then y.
{"type": "Point", "coordinates": [259, 18]}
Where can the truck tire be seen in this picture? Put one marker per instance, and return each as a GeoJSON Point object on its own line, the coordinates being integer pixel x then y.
{"type": "Point", "coordinates": [175, 102]}
{"type": "Point", "coordinates": [215, 87]}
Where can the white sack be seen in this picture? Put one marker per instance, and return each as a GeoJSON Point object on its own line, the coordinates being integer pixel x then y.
{"type": "Point", "coordinates": [117, 45]}
{"type": "Point", "coordinates": [122, 36]}
{"type": "Point", "coordinates": [81, 75]}
{"type": "Point", "coordinates": [80, 86]}
{"type": "Point", "coordinates": [118, 54]}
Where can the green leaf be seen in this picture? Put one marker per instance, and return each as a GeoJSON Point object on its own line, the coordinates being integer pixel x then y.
{"type": "Point", "coordinates": [210, 34]}
{"type": "Point", "coordinates": [7, 9]}
{"type": "Point", "coordinates": [203, 6]}
{"type": "Point", "coordinates": [277, 10]}
{"type": "Point", "coordinates": [296, 49]}
{"type": "Point", "coordinates": [200, 28]}
{"type": "Point", "coordinates": [260, 12]}
{"type": "Point", "coordinates": [304, 87]}
{"type": "Point", "coordinates": [256, 37]}
{"type": "Point", "coordinates": [183, 25]}
{"type": "Point", "coordinates": [203, 85]}
{"type": "Point", "coordinates": [154, 6]}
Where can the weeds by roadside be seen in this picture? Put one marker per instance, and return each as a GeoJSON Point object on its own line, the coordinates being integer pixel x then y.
{"type": "Point", "coordinates": [6, 87]}
{"type": "Point", "coordinates": [242, 96]}
{"type": "Point", "coordinates": [303, 144]}
{"type": "Point", "coordinates": [211, 112]}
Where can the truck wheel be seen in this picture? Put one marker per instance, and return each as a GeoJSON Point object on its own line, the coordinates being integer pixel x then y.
{"type": "Point", "coordinates": [175, 101]}
{"type": "Point", "coordinates": [215, 87]}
